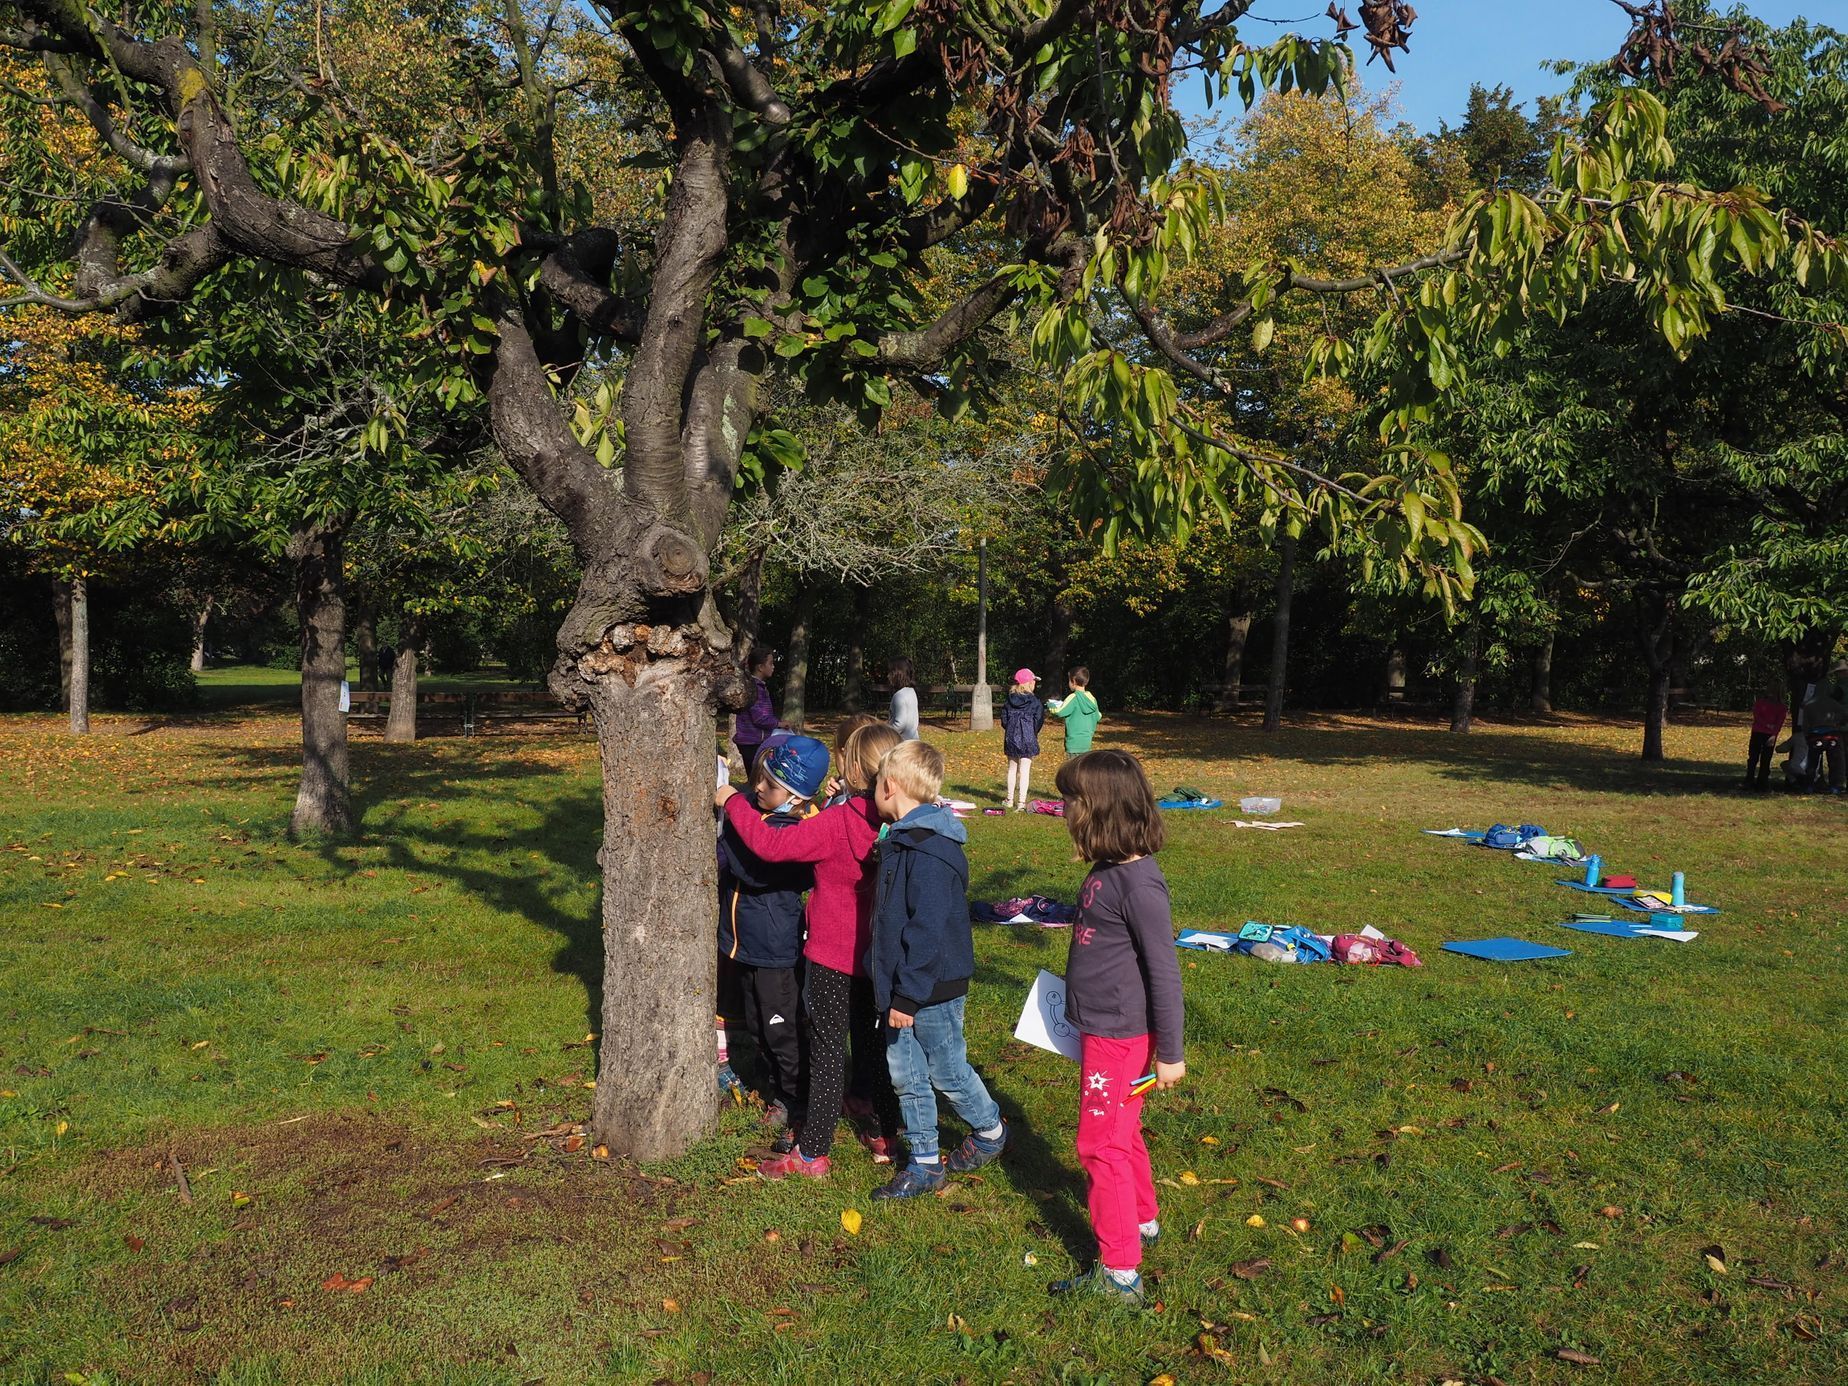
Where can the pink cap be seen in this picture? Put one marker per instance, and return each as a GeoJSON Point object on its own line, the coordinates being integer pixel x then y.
{"type": "Point", "coordinates": [1025, 676]}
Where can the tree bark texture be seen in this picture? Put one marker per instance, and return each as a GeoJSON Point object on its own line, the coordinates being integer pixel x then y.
{"type": "Point", "coordinates": [61, 613]}
{"type": "Point", "coordinates": [366, 646]}
{"type": "Point", "coordinates": [1463, 705]}
{"type": "Point", "coordinates": [1238, 635]}
{"type": "Point", "coordinates": [401, 718]}
{"type": "Point", "coordinates": [323, 803]}
{"type": "Point", "coordinates": [1657, 637]}
{"type": "Point", "coordinates": [200, 620]}
{"type": "Point", "coordinates": [796, 658]}
{"type": "Point", "coordinates": [1541, 702]}
{"type": "Point", "coordinates": [1059, 639]}
{"type": "Point", "coordinates": [854, 695]}
{"type": "Point", "coordinates": [80, 656]}
{"type": "Point", "coordinates": [1280, 637]}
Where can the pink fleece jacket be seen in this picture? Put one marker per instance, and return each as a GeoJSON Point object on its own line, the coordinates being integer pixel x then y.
{"type": "Point", "coordinates": [840, 841]}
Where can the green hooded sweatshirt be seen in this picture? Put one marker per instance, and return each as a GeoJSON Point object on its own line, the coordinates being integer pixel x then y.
{"type": "Point", "coordinates": [1080, 713]}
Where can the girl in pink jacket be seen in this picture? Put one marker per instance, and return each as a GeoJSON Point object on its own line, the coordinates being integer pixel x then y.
{"type": "Point", "coordinates": [841, 842]}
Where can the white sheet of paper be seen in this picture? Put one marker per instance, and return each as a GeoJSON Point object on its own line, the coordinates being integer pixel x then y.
{"type": "Point", "coordinates": [1218, 943]}
{"type": "Point", "coordinates": [1678, 935]}
{"type": "Point", "coordinates": [1042, 1019]}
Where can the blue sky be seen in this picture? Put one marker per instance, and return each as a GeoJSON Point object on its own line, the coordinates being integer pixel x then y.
{"type": "Point", "coordinates": [1456, 42]}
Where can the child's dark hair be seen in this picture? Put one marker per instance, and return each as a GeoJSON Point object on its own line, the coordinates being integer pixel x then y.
{"type": "Point", "coordinates": [1079, 677]}
{"type": "Point", "coordinates": [900, 674]}
{"type": "Point", "coordinates": [759, 653]}
{"type": "Point", "coordinates": [1109, 807]}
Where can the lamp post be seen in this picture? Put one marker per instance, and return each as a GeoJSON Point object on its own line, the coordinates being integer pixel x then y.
{"type": "Point", "coordinates": [981, 697]}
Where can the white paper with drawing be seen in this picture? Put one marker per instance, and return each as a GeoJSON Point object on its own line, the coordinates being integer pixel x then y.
{"type": "Point", "coordinates": [1043, 1022]}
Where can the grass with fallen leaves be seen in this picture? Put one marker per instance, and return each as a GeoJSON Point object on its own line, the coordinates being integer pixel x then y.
{"type": "Point", "coordinates": [272, 1113]}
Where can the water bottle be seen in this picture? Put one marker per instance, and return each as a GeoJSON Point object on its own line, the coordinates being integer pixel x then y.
{"type": "Point", "coordinates": [1593, 865]}
{"type": "Point", "coordinates": [1678, 887]}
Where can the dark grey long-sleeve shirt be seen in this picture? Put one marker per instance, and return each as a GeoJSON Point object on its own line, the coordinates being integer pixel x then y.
{"type": "Point", "coordinates": [1123, 978]}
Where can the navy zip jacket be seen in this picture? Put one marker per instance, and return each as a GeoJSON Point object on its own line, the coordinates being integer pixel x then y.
{"type": "Point", "coordinates": [1022, 716]}
{"type": "Point", "coordinates": [923, 949]}
{"type": "Point", "coordinates": [760, 903]}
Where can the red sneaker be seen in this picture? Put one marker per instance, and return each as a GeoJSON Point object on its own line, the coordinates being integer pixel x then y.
{"type": "Point", "coordinates": [877, 1146]}
{"type": "Point", "coordinates": [783, 1166]}
{"type": "Point", "coordinates": [856, 1108]}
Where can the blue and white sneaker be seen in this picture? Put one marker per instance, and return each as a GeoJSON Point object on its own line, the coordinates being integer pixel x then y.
{"type": "Point", "coordinates": [975, 1152]}
{"type": "Point", "coordinates": [1099, 1281]}
{"type": "Point", "coordinates": [913, 1181]}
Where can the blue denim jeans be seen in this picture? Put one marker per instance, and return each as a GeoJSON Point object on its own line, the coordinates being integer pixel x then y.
{"type": "Point", "coordinates": [929, 1056]}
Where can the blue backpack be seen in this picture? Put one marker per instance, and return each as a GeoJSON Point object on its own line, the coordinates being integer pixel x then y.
{"type": "Point", "coordinates": [1509, 839]}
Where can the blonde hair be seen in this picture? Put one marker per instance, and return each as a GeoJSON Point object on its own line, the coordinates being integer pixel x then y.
{"type": "Point", "coordinates": [915, 769]}
{"type": "Point", "coordinates": [866, 748]}
{"type": "Point", "coordinates": [847, 726]}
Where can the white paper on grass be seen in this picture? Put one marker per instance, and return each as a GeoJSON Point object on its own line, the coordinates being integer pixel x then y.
{"type": "Point", "coordinates": [1267, 827]}
{"type": "Point", "coordinates": [1218, 943]}
{"type": "Point", "coordinates": [1678, 935]}
{"type": "Point", "coordinates": [1042, 1019]}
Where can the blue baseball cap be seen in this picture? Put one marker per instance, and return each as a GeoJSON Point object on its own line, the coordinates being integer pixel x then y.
{"type": "Point", "coordinates": [800, 765]}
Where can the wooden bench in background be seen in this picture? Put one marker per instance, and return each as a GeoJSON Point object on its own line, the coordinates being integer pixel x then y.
{"type": "Point", "coordinates": [471, 712]}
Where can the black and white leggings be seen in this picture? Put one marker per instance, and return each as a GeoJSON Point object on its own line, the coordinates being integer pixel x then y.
{"type": "Point", "coordinates": [840, 1006]}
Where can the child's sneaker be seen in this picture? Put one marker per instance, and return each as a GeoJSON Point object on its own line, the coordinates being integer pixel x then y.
{"type": "Point", "coordinates": [1151, 1232]}
{"type": "Point", "coordinates": [794, 1163]}
{"type": "Point", "coordinates": [878, 1146]}
{"type": "Point", "coordinates": [776, 1116]}
{"type": "Point", "coordinates": [786, 1139]}
{"type": "Point", "coordinates": [728, 1083]}
{"type": "Point", "coordinates": [1099, 1281]}
{"type": "Point", "coordinates": [913, 1181]}
{"type": "Point", "coordinates": [856, 1108]}
{"type": "Point", "coordinates": [975, 1152]}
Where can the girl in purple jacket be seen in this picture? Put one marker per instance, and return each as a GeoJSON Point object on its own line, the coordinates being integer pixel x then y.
{"type": "Point", "coordinates": [755, 724]}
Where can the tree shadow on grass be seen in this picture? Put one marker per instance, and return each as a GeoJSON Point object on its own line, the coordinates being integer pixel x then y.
{"type": "Point", "coordinates": [490, 860]}
{"type": "Point", "coordinates": [1530, 759]}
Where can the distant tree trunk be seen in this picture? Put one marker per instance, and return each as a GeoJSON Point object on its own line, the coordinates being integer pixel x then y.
{"type": "Point", "coordinates": [80, 656]}
{"type": "Point", "coordinates": [1238, 633]}
{"type": "Point", "coordinates": [1280, 637]}
{"type": "Point", "coordinates": [796, 659]}
{"type": "Point", "coordinates": [200, 618]}
{"type": "Point", "coordinates": [856, 649]}
{"type": "Point", "coordinates": [1657, 636]}
{"type": "Point", "coordinates": [401, 720]}
{"type": "Point", "coordinates": [1542, 700]}
{"type": "Point", "coordinates": [61, 612]}
{"type": "Point", "coordinates": [1058, 638]}
{"type": "Point", "coordinates": [323, 803]}
{"type": "Point", "coordinates": [1463, 706]}
{"type": "Point", "coordinates": [750, 604]}
{"type": "Point", "coordinates": [1394, 691]}
{"type": "Point", "coordinates": [366, 646]}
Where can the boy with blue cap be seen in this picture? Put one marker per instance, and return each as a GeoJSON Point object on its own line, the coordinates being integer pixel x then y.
{"type": "Point", "coordinates": [760, 920]}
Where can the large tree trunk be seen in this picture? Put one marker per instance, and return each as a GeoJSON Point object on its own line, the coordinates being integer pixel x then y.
{"type": "Point", "coordinates": [200, 618]}
{"type": "Point", "coordinates": [401, 720]}
{"type": "Point", "coordinates": [1657, 637]}
{"type": "Point", "coordinates": [796, 659]}
{"type": "Point", "coordinates": [855, 692]}
{"type": "Point", "coordinates": [80, 656]}
{"type": "Point", "coordinates": [1542, 699]}
{"type": "Point", "coordinates": [61, 612]}
{"type": "Point", "coordinates": [1463, 705]}
{"type": "Point", "coordinates": [323, 803]}
{"type": "Point", "coordinates": [1280, 637]}
{"type": "Point", "coordinates": [1238, 635]}
{"type": "Point", "coordinates": [366, 646]}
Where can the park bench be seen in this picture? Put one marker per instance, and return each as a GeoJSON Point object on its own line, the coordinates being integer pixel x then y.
{"type": "Point", "coordinates": [519, 705]}
{"type": "Point", "coordinates": [374, 705]}
{"type": "Point", "coordinates": [946, 699]}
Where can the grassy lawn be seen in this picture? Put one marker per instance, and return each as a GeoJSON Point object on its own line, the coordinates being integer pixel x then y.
{"type": "Point", "coordinates": [350, 1053]}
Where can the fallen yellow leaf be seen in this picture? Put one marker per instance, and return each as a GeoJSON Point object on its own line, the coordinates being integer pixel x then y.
{"type": "Point", "coordinates": [850, 1219]}
{"type": "Point", "coordinates": [1255, 1220]}
{"type": "Point", "coordinates": [63, 1126]}
{"type": "Point", "coordinates": [1189, 1178]}
{"type": "Point", "coordinates": [670, 1306]}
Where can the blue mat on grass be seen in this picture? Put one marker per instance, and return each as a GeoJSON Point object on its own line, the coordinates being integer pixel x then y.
{"type": "Point", "coordinates": [1616, 928]}
{"type": "Point", "coordinates": [1505, 950]}
{"type": "Point", "coordinates": [1597, 890]}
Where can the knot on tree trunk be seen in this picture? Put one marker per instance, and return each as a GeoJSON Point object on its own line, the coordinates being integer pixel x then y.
{"type": "Point", "coordinates": [671, 563]}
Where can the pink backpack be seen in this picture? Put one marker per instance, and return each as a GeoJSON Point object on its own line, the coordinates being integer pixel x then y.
{"type": "Point", "coordinates": [1362, 951]}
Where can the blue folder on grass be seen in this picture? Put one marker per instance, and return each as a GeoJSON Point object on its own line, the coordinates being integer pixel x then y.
{"type": "Point", "coordinates": [1505, 950]}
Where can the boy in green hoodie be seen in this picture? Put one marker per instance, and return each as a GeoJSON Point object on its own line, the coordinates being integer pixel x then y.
{"type": "Point", "coordinates": [1079, 711]}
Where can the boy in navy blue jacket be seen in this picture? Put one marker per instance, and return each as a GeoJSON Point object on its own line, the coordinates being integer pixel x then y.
{"type": "Point", "coordinates": [921, 960]}
{"type": "Point", "coordinates": [760, 922]}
